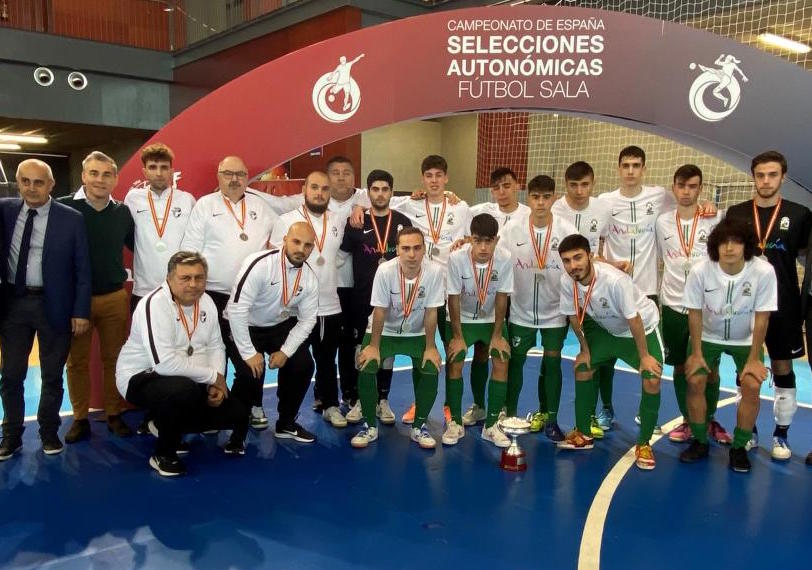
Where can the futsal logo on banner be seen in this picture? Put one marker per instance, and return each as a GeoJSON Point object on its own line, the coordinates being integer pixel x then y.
{"type": "Point", "coordinates": [336, 95]}
{"type": "Point", "coordinates": [726, 89]}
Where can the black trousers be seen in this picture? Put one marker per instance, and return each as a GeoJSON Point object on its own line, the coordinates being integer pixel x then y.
{"type": "Point", "coordinates": [25, 316]}
{"type": "Point", "coordinates": [293, 378]}
{"type": "Point", "coordinates": [179, 405]}
{"type": "Point", "coordinates": [324, 341]}
{"type": "Point", "coordinates": [134, 299]}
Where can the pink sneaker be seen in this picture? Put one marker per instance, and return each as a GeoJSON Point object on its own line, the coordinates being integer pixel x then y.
{"type": "Point", "coordinates": [718, 433]}
{"type": "Point", "coordinates": [681, 433]}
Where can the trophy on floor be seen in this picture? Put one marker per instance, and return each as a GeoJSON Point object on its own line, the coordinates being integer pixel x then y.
{"type": "Point", "coordinates": [513, 458]}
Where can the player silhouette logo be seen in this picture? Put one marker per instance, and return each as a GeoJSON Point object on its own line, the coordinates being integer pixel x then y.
{"type": "Point", "coordinates": [328, 89]}
{"type": "Point", "coordinates": [726, 89]}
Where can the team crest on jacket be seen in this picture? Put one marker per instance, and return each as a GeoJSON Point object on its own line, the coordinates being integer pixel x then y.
{"type": "Point", "coordinates": [784, 224]}
{"type": "Point", "coordinates": [203, 316]}
{"type": "Point", "coordinates": [176, 212]}
{"type": "Point", "coordinates": [252, 214]}
{"type": "Point", "coordinates": [747, 289]}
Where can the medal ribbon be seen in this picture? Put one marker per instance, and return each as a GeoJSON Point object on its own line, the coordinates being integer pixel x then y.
{"type": "Point", "coordinates": [482, 289]}
{"type": "Point", "coordinates": [578, 313]}
{"type": "Point", "coordinates": [285, 296]}
{"type": "Point", "coordinates": [408, 303]}
{"type": "Point", "coordinates": [162, 228]}
{"type": "Point", "coordinates": [185, 323]}
{"type": "Point", "coordinates": [240, 223]}
{"type": "Point", "coordinates": [763, 242]}
{"type": "Point", "coordinates": [541, 256]}
{"type": "Point", "coordinates": [435, 233]}
{"type": "Point", "coordinates": [319, 242]}
{"type": "Point", "coordinates": [381, 242]}
{"type": "Point", "coordinates": [690, 246]}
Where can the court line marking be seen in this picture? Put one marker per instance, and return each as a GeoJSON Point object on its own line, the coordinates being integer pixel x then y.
{"type": "Point", "coordinates": [589, 554]}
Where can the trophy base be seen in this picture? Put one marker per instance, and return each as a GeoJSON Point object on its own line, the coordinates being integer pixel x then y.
{"type": "Point", "coordinates": [511, 462]}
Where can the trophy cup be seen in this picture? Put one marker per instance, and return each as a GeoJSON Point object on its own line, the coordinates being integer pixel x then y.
{"type": "Point", "coordinates": [513, 458]}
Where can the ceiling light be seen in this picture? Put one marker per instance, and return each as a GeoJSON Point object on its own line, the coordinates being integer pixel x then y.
{"type": "Point", "coordinates": [31, 139]}
{"type": "Point", "coordinates": [781, 42]}
{"type": "Point", "coordinates": [9, 146]}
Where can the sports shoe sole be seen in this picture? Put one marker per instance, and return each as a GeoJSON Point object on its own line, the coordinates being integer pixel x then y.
{"type": "Point", "coordinates": [574, 447]}
{"type": "Point", "coordinates": [10, 455]}
{"type": "Point", "coordinates": [285, 435]}
{"type": "Point", "coordinates": [363, 444]}
{"type": "Point", "coordinates": [53, 451]}
{"type": "Point", "coordinates": [154, 465]}
{"type": "Point", "coordinates": [234, 452]}
{"type": "Point", "coordinates": [780, 458]}
{"type": "Point", "coordinates": [645, 466]}
{"type": "Point", "coordinates": [740, 469]}
{"type": "Point", "coordinates": [386, 421]}
{"type": "Point", "coordinates": [501, 445]}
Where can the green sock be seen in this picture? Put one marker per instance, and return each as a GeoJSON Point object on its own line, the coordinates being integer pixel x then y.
{"type": "Point", "coordinates": [700, 432]}
{"type": "Point", "coordinates": [542, 390]}
{"type": "Point", "coordinates": [368, 394]}
{"type": "Point", "coordinates": [551, 369]}
{"type": "Point", "coordinates": [496, 399]}
{"type": "Point", "coordinates": [453, 394]}
{"type": "Point", "coordinates": [514, 384]}
{"type": "Point", "coordinates": [680, 391]}
{"type": "Point", "coordinates": [712, 398]}
{"type": "Point", "coordinates": [424, 398]}
{"type": "Point", "coordinates": [741, 437]}
{"type": "Point", "coordinates": [479, 379]}
{"type": "Point", "coordinates": [584, 405]}
{"type": "Point", "coordinates": [415, 377]}
{"type": "Point", "coordinates": [649, 408]}
{"type": "Point", "coordinates": [607, 378]}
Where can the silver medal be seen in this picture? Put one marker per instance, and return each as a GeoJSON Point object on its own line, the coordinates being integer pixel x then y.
{"type": "Point", "coordinates": [244, 236]}
{"type": "Point", "coordinates": [190, 351]}
{"type": "Point", "coordinates": [160, 246]}
{"type": "Point", "coordinates": [320, 260]}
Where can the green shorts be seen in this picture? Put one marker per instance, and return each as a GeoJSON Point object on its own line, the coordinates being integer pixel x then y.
{"type": "Point", "coordinates": [675, 336]}
{"type": "Point", "coordinates": [413, 346]}
{"type": "Point", "coordinates": [443, 326]}
{"type": "Point", "coordinates": [712, 353]}
{"type": "Point", "coordinates": [473, 333]}
{"type": "Point", "coordinates": [522, 339]}
{"type": "Point", "coordinates": [605, 347]}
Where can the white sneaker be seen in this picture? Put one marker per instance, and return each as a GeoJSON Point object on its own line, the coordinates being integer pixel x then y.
{"type": "Point", "coordinates": [423, 438]}
{"type": "Point", "coordinates": [364, 437]}
{"type": "Point", "coordinates": [334, 416]}
{"type": "Point", "coordinates": [753, 443]}
{"type": "Point", "coordinates": [473, 416]}
{"type": "Point", "coordinates": [496, 436]}
{"type": "Point", "coordinates": [502, 415]}
{"type": "Point", "coordinates": [385, 413]}
{"type": "Point", "coordinates": [453, 433]}
{"type": "Point", "coordinates": [355, 415]}
{"type": "Point", "coordinates": [781, 450]}
{"type": "Point", "coordinates": [258, 419]}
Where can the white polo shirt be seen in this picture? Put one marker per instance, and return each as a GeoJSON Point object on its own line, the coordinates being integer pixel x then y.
{"type": "Point", "coordinates": [615, 299]}
{"type": "Point", "coordinates": [158, 341]}
{"type": "Point", "coordinates": [729, 302]}
{"type": "Point", "coordinates": [464, 275]}
{"type": "Point", "coordinates": [536, 291]}
{"type": "Point", "coordinates": [386, 293]}
{"type": "Point", "coordinates": [456, 224]}
{"type": "Point", "coordinates": [257, 300]}
{"type": "Point", "coordinates": [502, 218]}
{"type": "Point", "coordinates": [326, 270]}
{"type": "Point", "coordinates": [215, 232]}
{"type": "Point", "coordinates": [152, 252]}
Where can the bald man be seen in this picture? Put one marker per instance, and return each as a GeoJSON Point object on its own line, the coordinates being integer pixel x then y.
{"type": "Point", "coordinates": [272, 310]}
{"type": "Point", "coordinates": [225, 227]}
{"type": "Point", "coordinates": [35, 226]}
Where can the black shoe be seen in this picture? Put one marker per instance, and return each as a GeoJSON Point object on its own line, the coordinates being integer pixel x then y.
{"type": "Point", "coordinates": [695, 452]}
{"type": "Point", "coordinates": [235, 447]}
{"type": "Point", "coordinates": [809, 458]}
{"type": "Point", "coordinates": [117, 426]}
{"type": "Point", "coordinates": [183, 448]}
{"type": "Point", "coordinates": [167, 466]}
{"type": "Point", "coordinates": [317, 407]}
{"type": "Point", "coordinates": [9, 446]}
{"type": "Point", "coordinates": [143, 427]}
{"type": "Point", "coordinates": [295, 432]}
{"type": "Point", "coordinates": [79, 430]}
{"type": "Point", "coordinates": [739, 461]}
{"type": "Point", "coordinates": [51, 444]}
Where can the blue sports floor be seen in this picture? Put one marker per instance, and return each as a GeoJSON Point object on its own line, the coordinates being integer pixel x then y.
{"type": "Point", "coordinates": [393, 505]}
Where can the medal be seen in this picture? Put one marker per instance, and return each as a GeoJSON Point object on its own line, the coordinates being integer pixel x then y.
{"type": "Point", "coordinates": [762, 241]}
{"type": "Point", "coordinates": [578, 313]}
{"type": "Point", "coordinates": [319, 242]}
{"type": "Point", "coordinates": [160, 229]}
{"type": "Point", "coordinates": [687, 248]}
{"type": "Point", "coordinates": [541, 255]}
{"type": "Point", "coordinates": [185, 323]}
{"type": "Point", "coordinates": [381, 248]}
{"type": "Point", "coordinates": [408, 303]}
{"type": "Point", "coordinates": [286, 297]}
{"type": "Point", "coordinates": [482, 288]}
{"type": "Point", "coordinates": [434, 231]}
{"type": "Point", "coordinates": [240, 222]}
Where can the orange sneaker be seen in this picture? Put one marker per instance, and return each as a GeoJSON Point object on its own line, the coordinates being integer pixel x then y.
{"type": "Point", "coordinates": [408, 417]}
{"type": "Point", "coordinates": [447, 414]}
{"type": "Point", "coordinates": [576, 440]}
{"type": "Point", "coordinates": [644, 457]}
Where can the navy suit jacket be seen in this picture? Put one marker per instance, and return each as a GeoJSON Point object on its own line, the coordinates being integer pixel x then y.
{"type": "Point", "coordinates": [65, 261]}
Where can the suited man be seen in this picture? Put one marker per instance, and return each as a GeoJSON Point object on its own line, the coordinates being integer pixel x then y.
{"type": "Point", "coordinates": [45, 268]}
